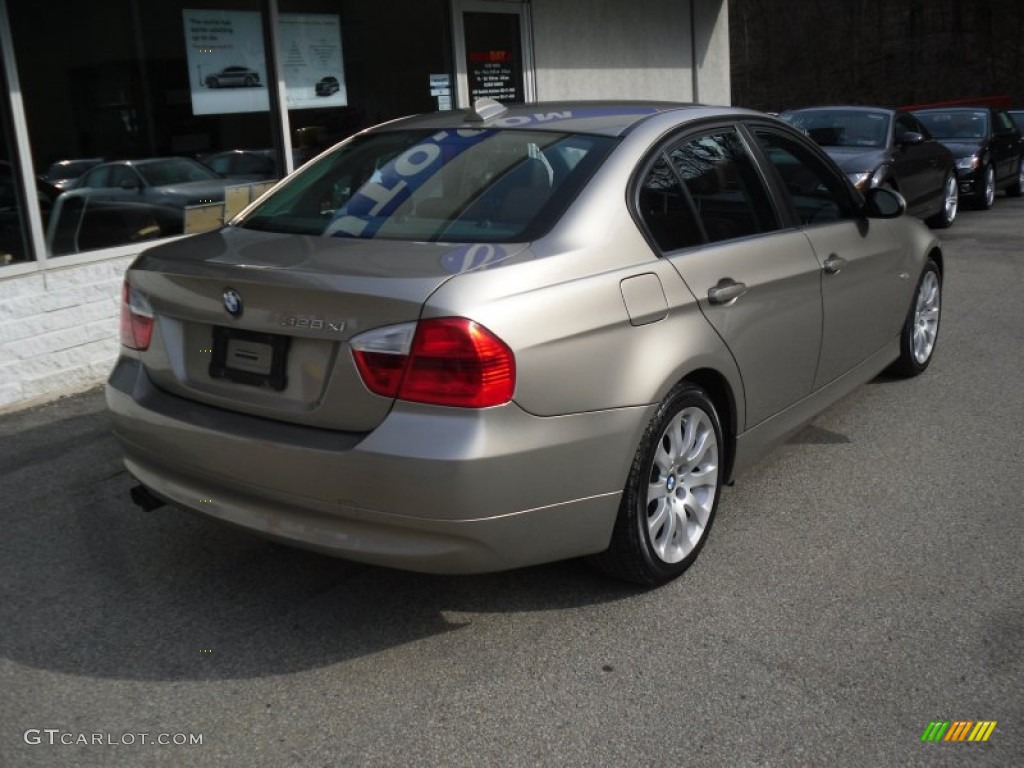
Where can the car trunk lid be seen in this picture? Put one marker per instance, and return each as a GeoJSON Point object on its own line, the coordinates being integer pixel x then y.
{"type": "Point", "coordinates": [259, 322]}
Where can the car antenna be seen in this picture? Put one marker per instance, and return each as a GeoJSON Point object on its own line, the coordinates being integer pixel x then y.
{"type": "Point", "coordinates": [484, 110]}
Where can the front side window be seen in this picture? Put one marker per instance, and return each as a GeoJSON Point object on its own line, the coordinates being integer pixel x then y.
{"type": "Point", "coordinates": [818, 194]}
{"type": "Point", "coordinates": [484, 185]}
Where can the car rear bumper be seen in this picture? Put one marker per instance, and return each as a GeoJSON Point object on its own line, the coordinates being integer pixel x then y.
{"type": "Point", "coordinates": [430, 489]}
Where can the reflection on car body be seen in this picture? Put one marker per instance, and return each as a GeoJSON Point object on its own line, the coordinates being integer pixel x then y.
{"type": "Point", "coordinates": [65, 173]}
{"type": "Point", "coordinates": [878, 147]}
{"type": "Point", "coordinates": [988, 148]}
{"type": "Point", "coordinates": [478, 340]}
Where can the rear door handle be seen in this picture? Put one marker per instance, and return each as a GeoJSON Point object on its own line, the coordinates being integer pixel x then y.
{"type": "Point", "coordinates": [833, 264]}
{"type": "Point", "coordinates": [726, 291]}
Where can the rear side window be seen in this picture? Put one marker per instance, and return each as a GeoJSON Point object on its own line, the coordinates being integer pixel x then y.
{"type": "Point", "coordinates": [666, 209]}
{"type": "Point", "coordinates": [724, 186]}
{"type": "Point", "coordinates": [705, 189]}
{"type": "Point", "coordinates": [488, 185]}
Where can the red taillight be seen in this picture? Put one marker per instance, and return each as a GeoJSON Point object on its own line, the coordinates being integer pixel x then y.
{"type": "Point", "coordinates": [449, 361]}
{"type": "Point", "coordinates": [136, 319]}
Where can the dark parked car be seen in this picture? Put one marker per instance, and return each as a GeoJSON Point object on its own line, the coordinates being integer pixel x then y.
{"type": "Point", "coordinates": [878, 147]}
{"type": "Point", "coordinates": [987, 145]}
{"type": "Point", "coordinates": [233, 77]}
{"type": "Point", "coordinates": [479, 340]}
{"type": "Point", "coordinates": [327, 86]}
{"type": "Point", "coordinates": [1017, 115]}
{"type": "Point", "coordinates": [243, 164]}
{"type": "Point", "coordinates": [65, 173]}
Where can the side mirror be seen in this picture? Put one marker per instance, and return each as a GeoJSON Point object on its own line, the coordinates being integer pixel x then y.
{"type": "Point", "coordinates": [910, 138]}
{"type": "Point", "coordinates": [884, 203]}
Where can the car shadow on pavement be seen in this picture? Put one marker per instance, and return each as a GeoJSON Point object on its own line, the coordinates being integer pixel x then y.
{"type": "Point", "coordinates": [93, 586]}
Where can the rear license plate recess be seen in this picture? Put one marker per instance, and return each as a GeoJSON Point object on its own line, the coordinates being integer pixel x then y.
{"type": "Point", "coordinates": [249, 357]}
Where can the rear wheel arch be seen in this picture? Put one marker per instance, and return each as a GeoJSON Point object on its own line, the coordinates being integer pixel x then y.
{"type": "Point", "coordinates": [721, 394]}
{"type": "Point", "coordinates": [936, 255]}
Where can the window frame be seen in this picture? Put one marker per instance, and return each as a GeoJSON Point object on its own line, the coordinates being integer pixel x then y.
{"type": "Point", "coordinates": [782, 216]}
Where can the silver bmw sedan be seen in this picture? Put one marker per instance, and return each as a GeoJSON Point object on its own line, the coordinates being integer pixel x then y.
{"type": "Point", "coordinates": [484, 339]}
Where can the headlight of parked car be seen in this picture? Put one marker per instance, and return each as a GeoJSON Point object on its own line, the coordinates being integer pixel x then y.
{"type": "Point", "coordinates": [968, 163]}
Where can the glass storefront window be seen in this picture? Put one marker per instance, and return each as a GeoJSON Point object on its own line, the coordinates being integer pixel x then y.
{"type": "Point", "coordinates": [383, 72]}
{"type": "Point", "coordinates": [122, 113]}
{"type": "Point", "coordinates": [150, 120]}
{"type": "Point", "coordinates": [13, 243]}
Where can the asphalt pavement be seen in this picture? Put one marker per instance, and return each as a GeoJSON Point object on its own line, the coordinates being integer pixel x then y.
{"type": "Point", "coordinates": [862, 582]}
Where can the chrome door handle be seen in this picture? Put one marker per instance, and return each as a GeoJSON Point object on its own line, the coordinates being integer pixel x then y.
{"type": "Point", "coordinates": [833, 264]}
{"type": "Point", "coordinates": [726, 291]}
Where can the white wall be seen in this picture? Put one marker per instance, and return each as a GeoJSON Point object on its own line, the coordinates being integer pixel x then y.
{"type": "Point", "coordinates": [58, 330]}
{"type": "Point", "coordinates": [640, 49]}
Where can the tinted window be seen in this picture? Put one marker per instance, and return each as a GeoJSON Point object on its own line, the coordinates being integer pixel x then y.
{"type": "Point", "coordinates": [97, 178]}
{"type": "Point", "coordinates": [120, 176]}
{"type": "Point", "coordinates": [1003, 122]}
{"type": "Point", "coordinates": [818, 194]}
{"type": "Point", "coordinates": [724, 185]}
{"type": "Point", "coordinates": [665, 209]}
{"type": "Point", "coordinates": [175, 170]}
{"type": "Point", "coordinates": [909, 124]}
{"type": "Point", "coordinates": [13, 245]}
{"type": "Point", "coordinates": [462, 186]}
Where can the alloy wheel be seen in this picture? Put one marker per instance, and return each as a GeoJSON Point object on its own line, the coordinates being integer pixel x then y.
{"type": "Point", "coordinates": [926, 317]}
{"type": "Point", "coordinates": [683, 484]}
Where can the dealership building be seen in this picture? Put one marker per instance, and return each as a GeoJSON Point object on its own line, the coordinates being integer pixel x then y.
{"type": "Point", "coordinates": [110, 105]}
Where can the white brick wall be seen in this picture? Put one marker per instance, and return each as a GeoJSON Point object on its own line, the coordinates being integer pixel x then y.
{"type": "Point", "coordinates": [58, 330]}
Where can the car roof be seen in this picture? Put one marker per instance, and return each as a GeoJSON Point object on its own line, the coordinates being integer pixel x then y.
{"type": "Point", "coordinates": [978, 108]}
{"type": "Point", "coordinates": [610, 118]}
{"type": "Point", "coordinates": [845, 108]}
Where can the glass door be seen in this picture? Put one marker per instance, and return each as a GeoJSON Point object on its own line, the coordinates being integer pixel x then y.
{"type": "Point", "coordinates": [493, 55]}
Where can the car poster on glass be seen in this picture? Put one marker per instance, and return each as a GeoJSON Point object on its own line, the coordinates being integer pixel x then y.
{"type": "Point", "coordinates": [310, 51]}
{"type": "Point", "coordinates": [227, 61]}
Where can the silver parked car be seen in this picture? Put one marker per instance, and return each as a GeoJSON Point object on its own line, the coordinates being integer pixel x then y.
{"type": "Point", "coordinates": [479, 340]}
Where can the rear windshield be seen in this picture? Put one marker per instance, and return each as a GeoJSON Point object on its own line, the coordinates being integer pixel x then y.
{"type": "Point", "coordinates": [488, 185]}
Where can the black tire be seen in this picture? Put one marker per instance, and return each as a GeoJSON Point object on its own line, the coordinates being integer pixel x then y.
{"type": "Point", "coordinates": [950, 204]}
{"type": "Point", "coordinates": [1017, 187]}
{"type": "Point", "coordinates": [648, 545]}
{"type": "Point", "coordinates": [986, 194]}
{"type": "Point", "coordinates": [250, 81]}
{"type": "Point", "coordinates": [921, 329]}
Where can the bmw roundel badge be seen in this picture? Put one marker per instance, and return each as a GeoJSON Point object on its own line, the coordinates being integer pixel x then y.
{"type": "Point", "coordinates": [232, 302]}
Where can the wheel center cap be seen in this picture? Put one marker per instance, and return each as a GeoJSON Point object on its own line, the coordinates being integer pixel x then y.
{"type": "Point", "coordinates": [671, 483]}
